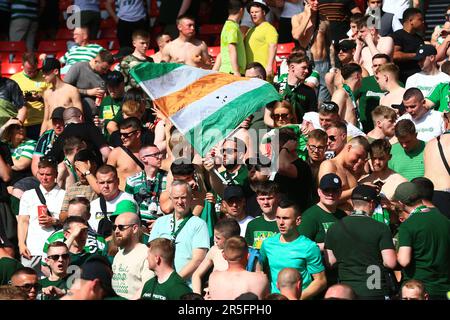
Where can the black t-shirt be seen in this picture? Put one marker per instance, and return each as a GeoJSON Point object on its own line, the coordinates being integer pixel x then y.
{"type": "Point", "coordinates": [409, 43]}
{"type": "Point", "coordinates": [5, 153]}
{"type": "Point", "coordinates": [302, 98]}
{"type": "Point", "coordinates": [168, 11]}
{"type": "Point", "coordinates": [298, 189]}
{"type": "Point", "coordinates": [86, 131]}
{"type": "Point", "coordinates": [338, 12]}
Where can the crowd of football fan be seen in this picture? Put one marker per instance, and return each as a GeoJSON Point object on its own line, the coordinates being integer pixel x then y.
{"type": "Point", "coordinates": [339, 190]}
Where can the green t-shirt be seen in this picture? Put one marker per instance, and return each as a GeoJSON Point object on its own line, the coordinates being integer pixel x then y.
{"type": "Point", "coordinates": [369, 96]}
{"type": "Point", "coordinates": [358, 252]}
{"type": "Point", "coordinates": [316, 222]}
{"type": "Point", "coordinates": [428, 234]}
{"type": "Point", "coordinates": [440, 96]}
{"type": "Point", "coordinates": [258, 230]}
{"type": "Point", "coordinates": [410, 165]}
{"type": "Point", "coordinates": [172, 289]}
{"type": "Point", "coordinates": [232, 35]}
{"type": "Point", "coordinates": [7, 267]}
{"type": "Point", "coordinates": [61, 284]}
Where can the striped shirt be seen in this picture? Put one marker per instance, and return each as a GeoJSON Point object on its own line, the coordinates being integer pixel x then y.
{"type": "Point", "coordinates": [5, 5]}
{"type": "Point", "coordinates": [24, 9]}
{"type": "Point", "coordinates": [79, 53]}
{"type": "Point", "coordinates": [45, 142]}
{"type": "Point", "coordinates": [146, 192]}
{"type": "Point", "coordinates": [25, 149]}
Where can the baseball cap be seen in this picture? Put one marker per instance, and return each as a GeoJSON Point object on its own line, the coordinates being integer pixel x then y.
{"type": "Point", "coordinates": [125, 206]}
{"type": "Point", "coordinates": [365, 192]}
{"type": "Point", "coordinates": [50, 64]}
{"type": "Point", "coordinates": [330, 181]}
{"type": "Point", "coordinates": [346, 45]}
{"type": "Point", "coordinates": [98, 267]}
{"type": "Point", "coordinates": [424, 51]}
{"type": "Point", "coordinates": [258, 3]}
{"type": "Point", "coordinates": [407, 193]}
{"type": "Point", "coordinates": [114, 78]}
{"type": "Point", "coordinates": [233, 192]}
{"type": "Point", "coordinates": [58, 113]}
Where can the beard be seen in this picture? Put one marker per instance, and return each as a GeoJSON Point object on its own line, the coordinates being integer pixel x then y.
{"type": "Point", "coordinates": [121, 242]}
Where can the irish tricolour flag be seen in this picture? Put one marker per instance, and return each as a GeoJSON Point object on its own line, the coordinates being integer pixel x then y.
{"type": "Point", "coordinates": [204, 105]}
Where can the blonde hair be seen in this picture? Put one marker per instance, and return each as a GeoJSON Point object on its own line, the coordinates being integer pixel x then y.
{"type": "Point", "coordinates": [390, 68]}
{"type": "Point", "coordinates": [133, 108]}
{"type": "Point", "coordinates": [286, 105]}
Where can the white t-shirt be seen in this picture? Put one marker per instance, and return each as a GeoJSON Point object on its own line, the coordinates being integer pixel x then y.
{"type": "Point", "coordinates": [313, 117]}
{"type": "Point", "coordinates": [429, 126]}
{"type": "Point", "coordinates": [291, 9]}
{"type": "Point", "coordinates": [96, 210]}
{"type": "Point", "coordinates": [396, 7]}
{"type": "Point", "coordinates": [426, 83]}
{"type": "Point", "coordinates": [130, 271]}
{"type": "Point", "coordinates": [243, 224]}
{"type": "Point", "coordinates": [29, 203]}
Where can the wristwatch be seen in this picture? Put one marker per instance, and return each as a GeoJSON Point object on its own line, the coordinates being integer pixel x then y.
{"type": "Point", "coordinates": [86, 173]}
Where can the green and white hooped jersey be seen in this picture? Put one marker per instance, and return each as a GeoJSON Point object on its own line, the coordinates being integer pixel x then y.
{"type": "Point", "coordinates": [146, 192]}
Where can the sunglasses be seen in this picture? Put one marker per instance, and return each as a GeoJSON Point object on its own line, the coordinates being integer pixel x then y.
{"type": "Point", "coordinates": [56, 257]}
{"type": "Point", "coordinates": [281, 116]}
{"type": "Point", "coordinates": [128, 134]}
{"type": "Point", "coordinates": [328, 107]}
{"type": "Point", "coordinates": [122, 227]}
{"type": "Point", "coordinates": [29, 286]}
{"type": "Point", "coordinates": [316, 148]}
{"type": "Point", "coordinates": [332, 138]}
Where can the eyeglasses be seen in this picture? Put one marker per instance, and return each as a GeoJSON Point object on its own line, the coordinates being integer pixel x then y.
{"type": "Point", "coordinates": [345, 50]}
{"type": "Point", "coordinates": [56, 257]}
{"type": "Point", "coordinates": [122, 227]}
{"type": "Point", "coordinates": [332, 138]}
{"type": "Point", "coordinates": [229, 150]}
{"type": "Point", "coordinates": [128, 134]}
{"type": "Point", "coordinates": [29, 286]}
{"type": "Point", "coordinates": [281, 116]}
{"type": "Point", "coordinates": [328, 107]}
{"type": "Point", "coordinates": [316, 148]}
{"type": "Point", "coordinates": [158, 155]}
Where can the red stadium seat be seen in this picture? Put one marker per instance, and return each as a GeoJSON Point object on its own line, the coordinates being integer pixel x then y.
{"type": "Point", "coordinates": [8, 69]}
{"type": "Point", "coordinates": [285, 49]}
{"type": "Point", "coordinates": [13, 46]}
{"type": "Point", "coordinates": [52, 45]}
{"type": "Point", "coordinates": [150, 52]}
{"type": "Point", "coordinates": [108, 33]}
{"type": "Point", "coordinates": [214, 51]}
{"type": "Point", "coordinates": [108, 23]}
{"type": "Point", "coordinates": [154, 10]}
{"type": "Point", "coordinates": [208, 29]}
{"type": "Point", "coordinates": [113, 44]}
{"type": "Point", "coordinates": [64, 34]}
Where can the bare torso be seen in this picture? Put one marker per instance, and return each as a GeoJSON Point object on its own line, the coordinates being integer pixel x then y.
{"type": "Point", "coordinates": [391, 180]}
{"type": "Point", "coordinates": [434, 167]}
{"type": "Point", "coordinates": [319, 48]}
{"type": "Point", "coordinates": [187, 52]}
{"type": "Point", "coordinates": [393, 97]}
{"type": "Point", "coordinates": [65, 96]}
{"type": "Point", "coordinates": [124, 164]}
{"type": "Point", "coordinates": [384, 45]}
{"type": "Point", "coordinates": [228, 285]}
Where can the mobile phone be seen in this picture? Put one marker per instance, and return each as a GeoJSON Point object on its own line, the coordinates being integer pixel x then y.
{"type": "Point", "coordinates": [400, 107]}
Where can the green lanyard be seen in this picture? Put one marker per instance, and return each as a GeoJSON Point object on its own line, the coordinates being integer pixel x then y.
{"type": "Point", "coordinates": [352, 97]}
{"type": "Point", "coordinates": [419, 209]}
{"type": "Point", "coordinates": [71, 169]}
{"type": "Point", "coordinates": [182, 224]}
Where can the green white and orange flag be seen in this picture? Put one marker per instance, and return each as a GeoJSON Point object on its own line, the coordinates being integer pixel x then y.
{"type": "Point", "coordinates": [204, 105]}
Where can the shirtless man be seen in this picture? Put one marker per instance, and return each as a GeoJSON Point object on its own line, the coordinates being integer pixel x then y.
{"type": "Point", "coordinates": [370, 43]}
{"type": "Point", "coordinates": [348, 165]}
{"type": "Point", "coordinates": [387, 78]}
{"type": "Point", "coordinates": [384, 178]}
{"type": "Point", "coordinates": [317, 39]}
{"type": "Point", "coordinates": [186, 49]}
{"type": "Point", "coordinates": [344, 97]}
{"type": "Point", "coordinates": [130, 133]}
{"type": "Point", "coordinates": [162, 40]}
{"type": "Point", "coordinates": [60, 94]}
{"type": "Point", "coordinates": [229, 284]}
{"type": "Point", "coordinates": [435, 169]}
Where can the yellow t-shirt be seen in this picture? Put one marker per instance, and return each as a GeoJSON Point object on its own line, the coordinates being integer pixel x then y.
{"type": "Point", "coordinates": [257, 43]}
{"type": "Point", "coordinates": [37, 85]}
